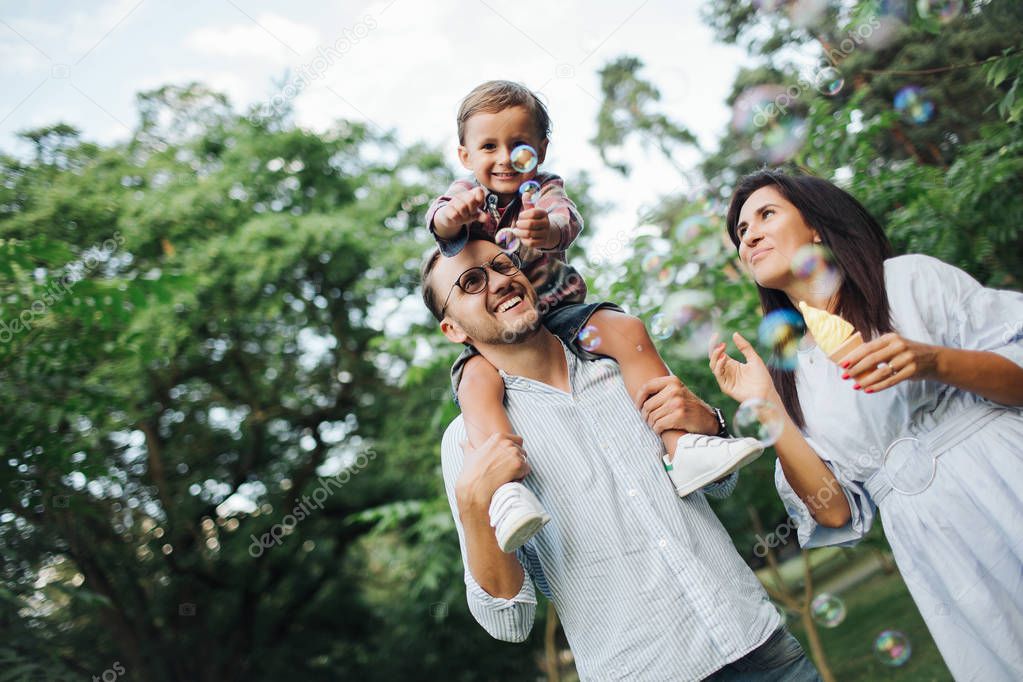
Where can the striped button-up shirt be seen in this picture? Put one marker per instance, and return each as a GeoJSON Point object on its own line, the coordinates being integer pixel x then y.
{"type": "Point", "coordinates": [648, 586]}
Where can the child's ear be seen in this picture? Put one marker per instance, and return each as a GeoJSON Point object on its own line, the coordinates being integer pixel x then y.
{"type": "Point", "coordinates": [453, 331]}
{"type": "Point", "coordinates": [542, 151]}
{"type": "Point", "coordinates": [463, 156]}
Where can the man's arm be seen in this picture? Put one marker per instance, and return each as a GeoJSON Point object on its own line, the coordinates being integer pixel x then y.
{"type": "Point", "coordinates": [500, 596]}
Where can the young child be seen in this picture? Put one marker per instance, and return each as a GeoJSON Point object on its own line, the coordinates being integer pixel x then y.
{"type": "Point", "coordinates": [496, 118]}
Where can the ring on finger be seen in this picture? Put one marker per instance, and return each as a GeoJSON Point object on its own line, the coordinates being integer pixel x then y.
{"type": "Point", "coordinates": [885, 366]}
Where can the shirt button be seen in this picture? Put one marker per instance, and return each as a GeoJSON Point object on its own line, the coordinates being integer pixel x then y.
{"type": "Point", "coordinates": [662, 543]}
{"type": "Point", "coordinates": [632, 492]}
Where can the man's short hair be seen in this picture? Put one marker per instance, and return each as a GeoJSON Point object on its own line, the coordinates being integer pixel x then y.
{"type": "Point", "coordinates": [494, 96]}
{"type": "Point", "coordinates": [429, 295]}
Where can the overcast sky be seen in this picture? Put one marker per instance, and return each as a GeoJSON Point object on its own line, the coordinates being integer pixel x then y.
{"type": "Point", "coordinates": [400, 65]}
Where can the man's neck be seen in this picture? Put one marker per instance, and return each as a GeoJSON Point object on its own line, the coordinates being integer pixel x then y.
{"type": "Point", "coordinates": [540, 357]}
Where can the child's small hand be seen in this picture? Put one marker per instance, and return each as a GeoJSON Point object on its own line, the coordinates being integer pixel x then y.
{"type": "Point", "coordinates": [534, 228]}
{"type": "Point", "coordinates": [463, 208]}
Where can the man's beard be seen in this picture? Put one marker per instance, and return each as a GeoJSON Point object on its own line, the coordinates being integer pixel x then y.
{"type": "Point", "coordinates": [493, 333]}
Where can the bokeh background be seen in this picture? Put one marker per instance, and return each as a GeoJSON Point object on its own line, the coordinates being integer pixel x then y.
{"type": "Point", "coordinates": [221, 400]}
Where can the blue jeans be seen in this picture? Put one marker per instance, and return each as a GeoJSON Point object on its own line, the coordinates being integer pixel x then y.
{"type": "Point", "coordinates": [779, 659]}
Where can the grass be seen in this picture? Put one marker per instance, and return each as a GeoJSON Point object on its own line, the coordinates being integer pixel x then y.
{"type": "Point", "coordinates": [880, 603]}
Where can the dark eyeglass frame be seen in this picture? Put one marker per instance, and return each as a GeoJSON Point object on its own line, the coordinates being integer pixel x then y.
{"type": "Point", "coordinates": [516, 268]}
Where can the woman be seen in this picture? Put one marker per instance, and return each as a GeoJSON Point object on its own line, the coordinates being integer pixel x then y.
{"type": "Point", "coordinates": [922, 420]}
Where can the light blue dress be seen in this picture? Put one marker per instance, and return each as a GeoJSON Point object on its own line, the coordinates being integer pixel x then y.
{"type": "Point", "coordinates": [957, 537]}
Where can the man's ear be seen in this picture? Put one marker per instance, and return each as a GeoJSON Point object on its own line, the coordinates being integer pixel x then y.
{"type": "Point", "coordinates": [542, 151]}
{"type": "Point", "coordinates": [453, 331]}
{"type": "Point", "coordinates": [463, 156]}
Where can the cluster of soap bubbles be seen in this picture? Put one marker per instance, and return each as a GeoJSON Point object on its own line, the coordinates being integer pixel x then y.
{"type": "Point", "coordinates": [913, 105]}
{"type": "Point", "coordinates": [759, 419]}
{"type": "Point", "coordinates": [781, 331]}
{"type": "Point", "coordinates": [813, 263]}
{"type": "Point", "coordinates": [891, 647]}
{"type": "Point", "coordinates": [523, 159]}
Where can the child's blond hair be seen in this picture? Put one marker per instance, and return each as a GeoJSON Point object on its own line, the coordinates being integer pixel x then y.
{"type": "Point", "coordinates": [494, 96]}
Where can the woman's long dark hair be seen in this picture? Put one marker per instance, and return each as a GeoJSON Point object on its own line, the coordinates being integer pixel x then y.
{"type": "Point", "coordinates": [856, 241]}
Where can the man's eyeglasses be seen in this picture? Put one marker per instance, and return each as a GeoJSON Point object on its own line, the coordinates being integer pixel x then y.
{"type": "Point", "coordinates": [474, 280]}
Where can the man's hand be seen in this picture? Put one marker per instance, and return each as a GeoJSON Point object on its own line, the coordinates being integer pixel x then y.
{"type": "Point", "coordinates": [499, 460]}
{"type": "Point", "coordinates": [533, 227]}
{"type": "Point", "coordinates": [667, 404]}
{"type": "Point", "coordinates": [464, 208]}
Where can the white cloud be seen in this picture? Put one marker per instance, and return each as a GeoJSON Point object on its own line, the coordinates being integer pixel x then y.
{"type": "Point", "coordinates": [270, 38]}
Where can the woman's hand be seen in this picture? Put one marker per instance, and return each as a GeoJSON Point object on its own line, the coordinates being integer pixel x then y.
{"type": "Point", "coordinates": [742, 381]}
{"type": "Point", "coordinates": [889, 360]}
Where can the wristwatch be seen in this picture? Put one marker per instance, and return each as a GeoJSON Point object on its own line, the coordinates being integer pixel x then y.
{"type": "Point", "coordinates": [722, 426]}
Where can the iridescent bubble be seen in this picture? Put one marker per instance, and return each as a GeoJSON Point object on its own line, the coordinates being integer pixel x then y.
{"type": "Point", "coordinates": [780, 139]}
{"type": "Point", "coordinates": [651, 262]}
{"type": "Point", "coordinates": [529, 191]}
{"type": "Point", "coordinates": [942, 10]}
{"type": "Point", "coordinates": [524, 158]}
{"type": "Point", "coordinates": [807, 13]}
{"type": "Point", "coordinates": [781, 330]}
{"type": "Point", "coordinates": [507, 240]}
{"type": "Point", "coordinates": [892, 648]}
{"type": "Point", "coordinates": [829, 81]}
{"type": "Point", "coordinates": [814, 263]}
{"type": "Point", "coordinates": [661, 326]}
{"type": "Point", "coordinates": [687, 307]}
{"type": "Point", "coordinates": [691, 228]}
{"type": "Point", "coordinates": [756, 106]}
{"type": "Point", "coordinates": [911, 103]}
{"type": "Point", "coordinates": [827, 610]}
{"type": "Point", "coordinates": [588, 338]}
{"type": "Point", "coordinates": [881, 31]}
{"type": "Point", "coordinates": [759, 419]}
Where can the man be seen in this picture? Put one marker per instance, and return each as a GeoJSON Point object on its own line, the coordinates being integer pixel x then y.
{"type": "Point", "coordinates": [648, 585]}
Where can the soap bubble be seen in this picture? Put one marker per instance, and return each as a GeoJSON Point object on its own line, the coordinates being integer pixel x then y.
{"type": "Point", "coordinates": [781, 331]}
{"type": "Point", "coordinates": [827, 610]}
{"type": "Point", "coordinates": [911, 103]}
{"type": "Point", "coordinates": [691, 228]}
{"type": "Point", "coordinates": [684, 308]}
{"type": "Point", "coordinates": [653, 264]}
{"type": "Point", "coordinates": [807, 13]}
{"type": "Point", "coordinates": [661, 326]}
{"type": "Point", "coordinates": [507, 240]}
{"type": "Point", "coordinates": [781, 138]}
{"type": "Point", "coordinates": [524, 158]}
{"type": "Point", "coordinates": [892, 648]}
{"type": "Point", "coordinates": [529, 191]}
{"type": "Point", "coordinates": [942, 10]}
{"type": "Point", "coordinates": [829, 81]}
{"type": "Point", "coordinates": [814, 263]}
{"type": "Point", "coordinates": [761, 420]}
{"type": "Point", "coordinates": [588, 338]}
{"type": "Point", "coordinates": [755, 106]}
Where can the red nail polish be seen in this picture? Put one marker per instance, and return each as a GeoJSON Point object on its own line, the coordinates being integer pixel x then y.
{"type": "Point", "coordinates": [856, 387]}
{"type": "Point", "coordinates": [845, 365]}
{"type": "Point", "coordinates": [869, 390]}
{"type": "Point", "coordinates": [845, 376]}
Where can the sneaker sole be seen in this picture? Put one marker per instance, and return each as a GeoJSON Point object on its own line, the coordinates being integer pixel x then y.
{"type": "Point", "coordinates": [529, 527]}
{"type": "Point", "coordinates": [720, 473]}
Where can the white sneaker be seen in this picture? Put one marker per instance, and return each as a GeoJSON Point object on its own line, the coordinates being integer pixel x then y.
{"type": "Point", "coordinates": [700, 460]}
{"type": "Point", "coordinates": [516, 515]}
